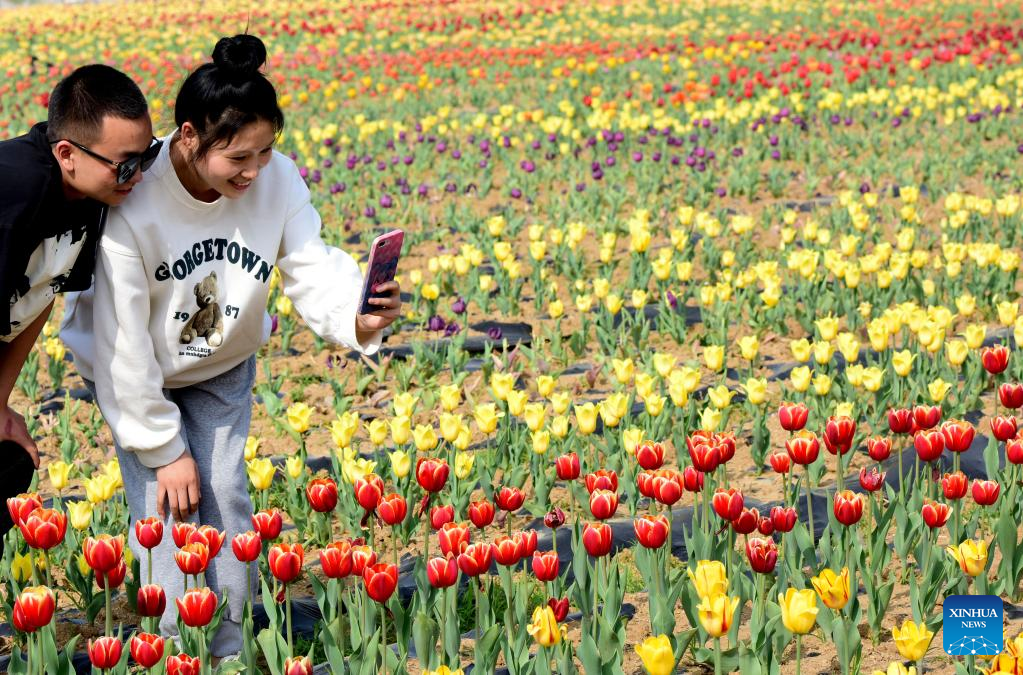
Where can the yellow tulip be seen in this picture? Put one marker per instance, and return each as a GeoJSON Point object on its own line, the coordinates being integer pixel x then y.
{"type": "Point", "coordinates": [938, 390]}
{"type": "Point", "coordinates": [714, 357]}
{"type": "Point", "coordinates": [294, 467]}
{"type": "Point", "coordinates": [897, 668]}
{"type": "Point", "coordinates": [405, 404]}
{"type": "Point", "coordinates": [823, 351]}
{"type": "Point", "coordinates": [544, 627]}
{"type": "Point", "coordinates": [720, 396]}
{"type": "Point", "coordinates": [21, 567]}
{"type": "Point", "coordinates": [463, 464]}
{"type": "Point", "coordinates": [822, 384]}
{"type": "Point", "coordinates": [654, 404]}
{"type": "Point", "coordinates": [800, 349]}
{"type": "Point", "coordinates": [261, 472]}
{"type": "Point", "coordinates": [645, 384]}
{"type": "Point", "coordinates": [487, 416]}
{"type": "Point", "coordinates": [956, 351]}
{"type": "Point", "coordinates": [586, 417]}
{"type": "Point", "coordinates": [663, 363]}
{"type": "Point", "coordinates": [912, 640]}
{"type": "Point", "coordinates": [541, 440]}
{"type": "Point", "coordinates": [534, 415]}
{"type": "Point", "coordinates": [545, 385]}
{"type": "Point", "coordinates": [827, 327]}
{"type": "Point", "coordinates": [657, 655]}
{"type": "Point", "coordinates": [450, 397]}
{"type": "Point", "coordinates": [749, 345]}
{"type": "Point", "coordinates": [616, 405]}
{"type": "Point", "coordinates": [502, 384]}
{"type": "Point", "coordinates": [710, 419]}
{"type": "Point", "coordinates": [756, 390]}
{"type": "Point", "coordinates": [624, 370]}
{"type": "Point", "coordinates": [879, 334]}
{"type": "Point", "coordinates": [710, 578]}
{"type": "Point", "coordinates": [79, 514]}
{"type": "Point", "coordinates": [443, 670]}
{"type": "Point", "coordinates": [251, 445]}
{"type": "Point", "coordinates": [844, 409]}
{"type": "Point", "coordinates": [58, 472]}
{"type": "Point", "coordinates": [833, 588]}
{"type": "Point", "coordinates": [717, 613]}
{"type": "Point", "coordinates": [298, 417]}
{"type": "Point", "coordinates": [377, 431]}
{"type": "Point", "coordinates": [975, 334]}
{"type": "Point", "coordinates": [631, 438]}
{"type": "Point", "coordinates": [849, 346]}
{"type": "Point", "coordinates": [83, 565]}
{"type": "Point", "coordinates": [425, 437]}
{"type": "Point", "coordinates": [430, 291]}
{"type": "Point", "coordinates": [559, 426]}
{"type": "Point", "coordinates": [401, 463]}
{"type": "Point", "coordinates": [354, 469]}
{"type": "Point", "coordinates": [971, 556]}
{"type": "Point", "coordinates": [343, 429]}
{"type": "Point", "coordinates": [100, 488]}
{"type": "Point", "coordinates": [798, 610]}
{"type": "Point", "coordinates": [1007, 312]}
{"type": "Point", "coordinates": [800, 378]}
{"type": "Point", "coordinates": [872, 378]}
{"type": "Point", "coordinates": [854, 374]}
{"type": "Point", "coordinates": [284, 305]}
{"type": "Point", "coordinates": [613, 302]}
{"type": "Point", "coordinates": [516, 402]}
{"type": "Point", "coordinates": [401, 429]}
{"type": "Point", "coordinates": [450, 424]}
{"type": "Point", "coordinates": [560, 400]}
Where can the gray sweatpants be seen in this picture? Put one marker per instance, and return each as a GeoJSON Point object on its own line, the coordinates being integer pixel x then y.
{"type": "Point", "coordinates": [215, 416]}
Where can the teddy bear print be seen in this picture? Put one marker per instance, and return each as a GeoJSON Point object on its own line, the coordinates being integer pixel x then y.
{"type": "Point", "coordinates": [208, 321]}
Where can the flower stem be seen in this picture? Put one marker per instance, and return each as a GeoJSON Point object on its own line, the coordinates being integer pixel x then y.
{"type": "Point", "coordinates": [799, 652]}
{"type": "Point", "coordinates": [106, 597]}
{"type": "Point", "coordinates": [287, 610]}
{"type": "Point", "coordinates": [809, 505]}
{"type": "Point", "coordinates": [717, 656]}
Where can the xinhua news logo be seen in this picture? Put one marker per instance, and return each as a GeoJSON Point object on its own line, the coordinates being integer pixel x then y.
{"type": "Point", "coordinates": [972, 625]}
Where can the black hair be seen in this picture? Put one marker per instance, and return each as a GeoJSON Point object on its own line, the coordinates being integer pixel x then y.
{"type": "Point", "coordinates": [81, 100]}
{"type": "Point", "coordinates": [222, 97]}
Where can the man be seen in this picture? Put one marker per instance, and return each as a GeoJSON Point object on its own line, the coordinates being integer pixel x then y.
{"type": "Point", "coordinates": [56, 183]}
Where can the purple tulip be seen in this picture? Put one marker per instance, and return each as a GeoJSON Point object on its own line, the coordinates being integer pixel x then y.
{"type": "Point", "coordinates": [637, 156]}
{"type": "Point", "coordinates": [451, 329]}
{"type": "Point", "coordinates": [775, 155]}
{"type": "Point", "coordinates": [528, 166]}
{"type": "Point", "coordinates": [274, 322]}
{"type": "Point", "coordinates": [370, 212]}
{"type": "Point", "coordinates": [458, 306]}
{"type": "Point", "coordinates": [436, 323]}
{"type": "Point", "coordinates": [494, 333]}
{"type": "Point", "coordinates": [386, 201]}
{"type": "Point", "coordinates": [303, 171]}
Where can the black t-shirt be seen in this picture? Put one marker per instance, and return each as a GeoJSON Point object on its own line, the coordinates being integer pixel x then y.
{"type": "Point", "coordinates": [39, 225]}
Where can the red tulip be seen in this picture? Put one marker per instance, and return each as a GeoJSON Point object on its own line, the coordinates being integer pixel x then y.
{"type": "Point", "coordinates": [953, 485]}
{"type": "Point", "coordinates": [475, 559]}
{"type": "Point", "coordinates": [602, 480]}
{"type": "Point", "coordinates": [929, 445]}
{"type": "Point", "coordinates": [727, 503]}
{"type": "Point", "coordinates": [103, 553]}
{"type": "Point", "coordinates": [481, 513]}
{"type": "Point", "coordinates": [151, 600]}
{"type": "Point", "coordinates": [454, 537]}
{"type": "Point", "coordinates": [336, 559]}
{"type": "Point", "coordinates": [247, 546]}
{"type": "Point", "coordinates": [554, 518]}
{"type": "Point", "coordinates": [211, 536]}
{"type": "Point", "coordinates": [692, 480]}
{"type": "Point", "coordinates": [322, 494]}
{"type": "Point", "coordinates": [362, 557]}
{"type": "Point", "coordinates": [196, 607]}
{"type": "Point", "coordinates": [1003, 427]}
{"type": "Point", "coordinates": [1014, 450]}
{"type": "Point", "coordinates": [879, 448]}
{"type": "Point", "coordinates": [441, 572]}
{"type": "Point", "coordinates": [545, 565]}
{"type": "Point", "coordinates": [985, 492]}
{"type": "Point", "coordinates": [765, 526]}
{"type": "Point", "coordinates": [725, 441]}
{"type": "Point", "coordinates": [146, 649]}
{"type": "Point", "coordinates": [803, 448]}
{"type": "Point", "coordinates": [506, 551]}
{"type": "Point", "coordinates": [651, 531]}
{"type": "Point", "coordinates": [995, 359]}
{"type": "Point", "coordinates": [746, 521]}
{"type": "Point", "coordinates": [1011, 395]}
{"type": "Point", "coordinates": [298, 665]}
{"type": "Point", "coordinates": [431, 474]}
{"type": "Point", "coordinates": [650, 455]}
{"type": "Point", "coordinates": [285, 561]}
{"type": "Point", "coordinates": [392, 509]}
{"type": "Point", "coordinates": [33, 609]}
{"type": "Point", "coordinates": [762, 554]}
{"type": "Point", "coordinates": [527, 542]}
{"type": "Point", "coordinates": [902, 421]}
{"type": "Point", "coordinates": [603, 504]}
{"type": "Point", "coordinates": [149, 534]}
{"type": "Point", "coordinates": [268, 524]}
{"type": "Point", "coordinates": [183, 664]}
{"type": "Point", "coordinates": [926, 416]}
{"type": "Point", "coordinates": [441, 515]}
{"type": "Point", "coordinates": [567, 466]}
{"type": "Point", "coordinates": [559, 607]}
{"type": "Point", "coordinates": [935, 513]}
{"type": "Point", "coordinates": [369, 490]}
{"type": "Point", "coordinates": [838, 434]}
{"type": "Point", "coordinates": [43, 528]}
{"type": "Point", "coordinates": [872, 480]}
{"type": "Point", "coordinates": [848, 507]}
{"type": "Point", "coordinates": [381, 580]}
{"type": "Point", "coordinates": [193, 558]}
{"type": "Point", "coordinates": [19, 507]}
{"type": "Point", "coordinates": [783, 518]}
{"type": "Point", "coordinates": [597, 539]}
{"type": "Point", "coordinates": [780, 462]}
{"type": "Point", "coordinates": [181, 532]}
{"type": "Point", "coordinates": [113, 578]}
{"type": "Point", "coordinates": [105, 652]}
{"type": "Point", "coordinates": [958, 435]}
{"type": "Point", "coordinates": [667, 486]}
{"type": "Point", "coordinates": [706, 457]}
{"type": "Point", "coordinates": [645, 483]}
{"type": "Point", "coordinates": [509, 498]}
{"type": "Point", "coordinates": [792, 416]}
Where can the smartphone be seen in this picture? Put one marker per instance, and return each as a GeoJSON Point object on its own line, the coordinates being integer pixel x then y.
{"type": "Point", "coordinates": [383, 263]}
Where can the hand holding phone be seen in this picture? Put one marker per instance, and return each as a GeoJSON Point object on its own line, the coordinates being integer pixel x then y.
{"type": "Point", "coordinates": [383, 264]}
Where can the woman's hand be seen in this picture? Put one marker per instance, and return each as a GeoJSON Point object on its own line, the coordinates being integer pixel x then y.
{"type": "Point", "coordinates": [389, 310]}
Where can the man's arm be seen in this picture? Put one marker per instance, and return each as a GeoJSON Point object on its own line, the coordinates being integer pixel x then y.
{"type": "Point", "coordinates": [12, 358]}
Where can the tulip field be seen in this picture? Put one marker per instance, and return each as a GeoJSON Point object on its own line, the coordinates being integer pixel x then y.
{"type": "Point", "coordinates": [708, 357]}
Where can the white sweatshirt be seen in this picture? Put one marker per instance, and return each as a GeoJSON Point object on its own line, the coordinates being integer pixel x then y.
{"type": "Point", "coordinates": [141, 327]}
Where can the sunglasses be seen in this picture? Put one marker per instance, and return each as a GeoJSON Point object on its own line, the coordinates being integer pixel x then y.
{"type": "Point", "coordinates": [127, 168]}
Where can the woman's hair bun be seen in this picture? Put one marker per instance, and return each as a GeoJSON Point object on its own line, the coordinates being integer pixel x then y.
{"type": "Point", "coordinates": [240, 56]}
